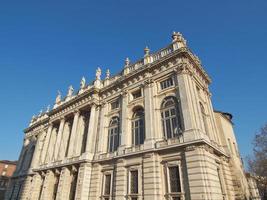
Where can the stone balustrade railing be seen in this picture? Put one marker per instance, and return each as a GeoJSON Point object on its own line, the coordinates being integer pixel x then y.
{"type": "Point", "coordinates": [152, 57]}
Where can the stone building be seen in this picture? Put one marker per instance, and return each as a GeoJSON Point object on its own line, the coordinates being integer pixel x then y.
{"type": "Point", "coordinates": [7, 169]}
{"type": "Point", "coordinates": [149, 132]}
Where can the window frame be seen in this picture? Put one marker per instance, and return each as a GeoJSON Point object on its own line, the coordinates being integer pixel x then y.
{"type": "Point", "coordinates": [167, 83]}
{"type": "Point", "coordinates": [171, 118]}
{"type": "Point", "coordinates": [168, 193]}
{"type": "Point", "coordinates": [138, 127]}
{"type": "Point", "coordinates": [112, 134]}
{"type": "Point", "coordinates": [130, 195]}
{"type": "Point", "coordinates": [103, 195]}
{"type": "Point", "coordinates": [116, 103]}
{"type": "Point", "coordinates": [137, 91]}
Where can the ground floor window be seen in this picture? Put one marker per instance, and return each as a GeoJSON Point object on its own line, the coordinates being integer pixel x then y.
{"type": "Point", "coordinates": [173, 182]}
{"type": "Point", "coordinates": [133, 184]}
{"type": "Point", "coordinates": [107, 186]}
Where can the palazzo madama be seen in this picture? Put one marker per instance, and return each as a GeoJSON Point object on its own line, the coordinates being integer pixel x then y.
{"type": "Point", "coordinates": [147, 133]}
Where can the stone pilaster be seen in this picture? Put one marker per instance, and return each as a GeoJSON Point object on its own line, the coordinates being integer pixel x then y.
{"type": "Point", "coordinates": [64, 184]}
{"type": "Point", "coordinates": [58, 140]}
{"type": "Point", "coordinates": [74, 134]}
{"type": "Point", "coordinates": [46, 143]}
{"type": "Point", "coordinates": [151, 178]}
{"type": "Point", "coordinates": [51, 145]}
{"type": "Point", "coordinates": [191, 131]}
{"type": "Point", "coordinates": [48, 186]}
{"type": "Point", "coordinates": [38, 150]}
{"type": "Point", "coordinates": [64, 141]}
{"type": "Point", "coordinates": [212, 120]}
{"type": "Point", "coordinates": [36, 187]}
{"type": "Point", "coordinates": [149, 114]}
{"type": "Point", "coordinates": [103, 132]}
{"type": "Point", "coordinates": [124, 120]}
{"type": "Point", "coordinates": [84, 181]}
{"type": "Point", "coordinates": [81, 135]}
{"type": "Point", "coordinates": [92, 128]}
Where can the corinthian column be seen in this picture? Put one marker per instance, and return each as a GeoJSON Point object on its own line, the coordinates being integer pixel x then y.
{"type": "Point", "coordinates": [124, 119]}
{"type": "Point", "coordinates": [36, 155]}
{"type": "Point", "coordinates": [46, 143]}
{"type": "Point", "coordinates": [58, 140]}
{"type": "Point", "coordinates": [191, 131]}
{"type": "Point", "coordinates": [91, 138]}
{"type": "Point", "coordinates": [149, 114]}
{"type": "Point", "coordinates": [103, 123]}
{"type": "Point", "coordinates": [73, 134]}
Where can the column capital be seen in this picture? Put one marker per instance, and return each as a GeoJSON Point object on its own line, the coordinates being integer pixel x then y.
{"type": "Point", "coordinates": [182, 68]}
{"type": "Point", "coordinates": [124, 93]}
{"type": "Point", "coordinates": [62, 119]}
{"type": "Point", "coordinates": [148, 83]}
{"type": "Point", "coordinates": [76, 112]}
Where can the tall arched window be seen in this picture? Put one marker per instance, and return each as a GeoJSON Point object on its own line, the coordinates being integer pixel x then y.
{"type": "Point", "coordinates": [204, 118]}
{"type": "Point", "coordinates": [138, 127]}
{"type": "Point", "coordinates": [171, 119]}
{"type": "Point", "coordinates": [113, 134]}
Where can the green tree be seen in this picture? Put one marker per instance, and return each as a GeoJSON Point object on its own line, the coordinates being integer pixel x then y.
{"type": "Point", "coordinates": [258, 162]}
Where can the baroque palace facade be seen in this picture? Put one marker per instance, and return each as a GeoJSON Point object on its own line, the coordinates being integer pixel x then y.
{"type": "Point", "coordinates": [148, 133]}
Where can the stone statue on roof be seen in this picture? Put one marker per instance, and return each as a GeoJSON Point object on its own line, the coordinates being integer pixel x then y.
{"type": "Point", "coordinates": [70, 91]}
{"type": "Point", "coordinates": [58, 99]}
{"type": "Point", "coordinates": [82, 83]}
{"type": "Point", "coordinates": [98, 74]}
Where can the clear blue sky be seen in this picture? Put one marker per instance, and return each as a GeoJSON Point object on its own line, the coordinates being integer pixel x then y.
{"type": "Point", "coordinates": [47, 46]}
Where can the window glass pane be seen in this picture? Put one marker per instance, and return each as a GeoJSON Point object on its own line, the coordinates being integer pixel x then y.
{"type": "Point", "coordinates": [174, 178]}
{"type": "Point", "coordinates": [166, 83]}
{"type": "Point", "coordinates": [115, 142]}
{"type": "Point", "coordinates": [137, 94]}
{"type": "Point", "coordinates": [168, 127]}
{"type": "Point", "coordinates": [115, 105]}
{"type": "Point", "coordinates": [141, 122]}
{"type": "Point", "coordinates": [174, 126]}
{"type": "Point", "coordinates": [173, 112]}
{"type": "Point", "coordinates": [136, 136]}
{"type": "Point", "coordinates": [107, 184]}
{"type": "Point", "coordinates": [167, 113]}
{"type": "Point", "coordinates": [141, 135]}
{"type": "Point", "coordinates": [134, 182]}
{"type": "Point", "coordinates": [111, 143]}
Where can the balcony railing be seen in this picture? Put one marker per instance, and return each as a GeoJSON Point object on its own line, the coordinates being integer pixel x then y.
{"type": "Point", "coordinates": [171, 141]}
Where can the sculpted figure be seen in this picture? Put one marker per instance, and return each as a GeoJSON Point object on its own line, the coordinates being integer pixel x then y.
{"type": "Point", "coordinates": [58, 99]}
{"type": "Point", "coordinates": [82, 83]}
{"type": "Point", "coordinates": [98, 74]}
{"type": "Point", "coordinates": [70, 91]}
{"type": "Point", "coordinates": [107, 74]}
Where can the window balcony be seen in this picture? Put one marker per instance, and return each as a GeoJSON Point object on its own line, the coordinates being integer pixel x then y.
{"type": "Point", "coordinates": [170, 141]}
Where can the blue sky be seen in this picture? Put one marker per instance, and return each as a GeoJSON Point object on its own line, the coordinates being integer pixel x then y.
{"type": "Point", "coordinates": [47, 46]}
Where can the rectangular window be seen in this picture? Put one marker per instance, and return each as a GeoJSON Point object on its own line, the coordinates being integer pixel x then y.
{"type": "Point", "coordinates": [137, 94]}
{"type": "Point", "coordinates": [107, 184]}
{"type": "Point", "coordinates": [134, 182]}
{"type": "Point", "coordinates": [174, 179]}
{"type": "Point", "coordinates": [166, 83]}
{"type": "Point", "coordinates": [6, 166]}
{"type": "Point", "coordinates": [115, 104]}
